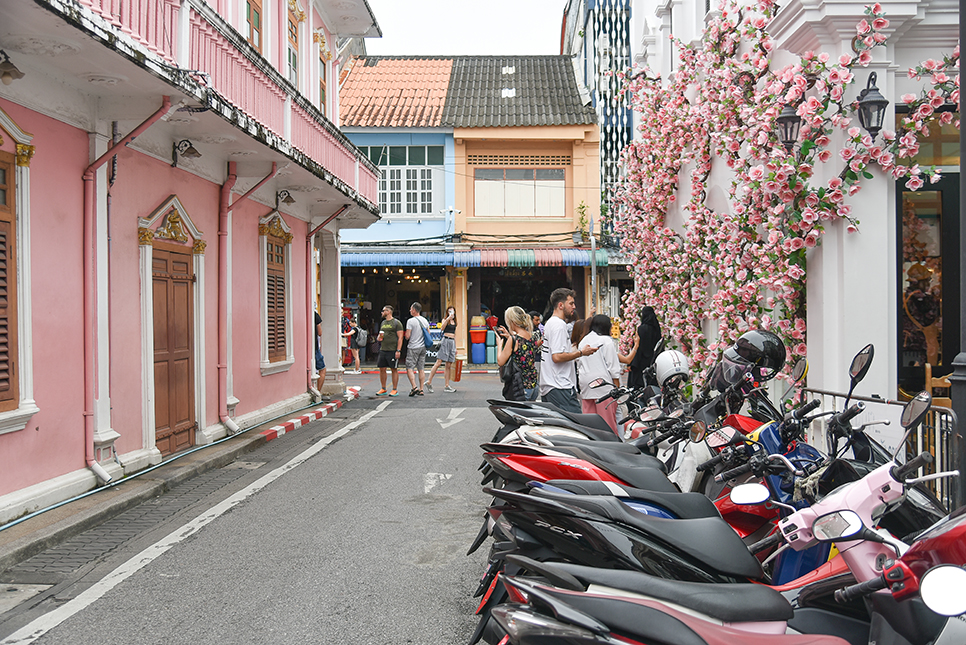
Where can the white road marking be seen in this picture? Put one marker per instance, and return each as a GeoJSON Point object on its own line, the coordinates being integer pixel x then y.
{"type": "Point", "coordinates": [431, 479]}
{"type": "Point", "coordinates": [34, 630]}
{"type": "Point", "coordinates": [452, 419]}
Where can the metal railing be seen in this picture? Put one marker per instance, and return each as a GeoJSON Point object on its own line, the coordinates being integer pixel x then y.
{"type": "Point", "coordinates": [936, 434]}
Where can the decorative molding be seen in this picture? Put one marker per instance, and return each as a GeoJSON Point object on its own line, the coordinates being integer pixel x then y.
{"type": "Point", "coordinates": [11, 128]}
{"type": "Point", "coordinates": [172, 229]}
{"type": "Point", "coordinates": [24, 153]}
{"type": "Point", "coordinates": [274, 225]}
{"type": "Point", "coordinates": [319, 38]}
{"type": "Point", "coordinates": [145, 236]}
{"type": "Point", "coordinates": [293, 6]}
{"type": "Point", "coordinates": [199, 247]}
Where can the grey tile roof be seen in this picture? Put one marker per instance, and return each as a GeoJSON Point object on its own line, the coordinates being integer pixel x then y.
{"type": "Point", "coordinates": [495, 91]}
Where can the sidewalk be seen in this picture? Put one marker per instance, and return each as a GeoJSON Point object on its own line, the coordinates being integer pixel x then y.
{"type": "Point", "coordinates": [37, 534]}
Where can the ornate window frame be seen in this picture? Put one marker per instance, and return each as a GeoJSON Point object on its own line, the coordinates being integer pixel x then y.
{"type": "Point", "coordinates": [274, 224]}
{"type": "Point", "coordinates": [17, 419]}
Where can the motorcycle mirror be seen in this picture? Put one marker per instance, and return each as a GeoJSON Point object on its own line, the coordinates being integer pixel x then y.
{"type": "Point", "coordinates": [837, 526]}
{"type": "Point", "coordinates": [750, 494]}
{"type": "Point", "coordinates": [624, 398]}
{"type": "Point", "coordinates": [942, 589]}
{"type": "Point", "coordinates": [698, 431]}
{"type": "Point", "coordinates": [676, 414]}
{"type": "Point", "coordinates": [798, 373]}
{"type": "Point", "coordinates": [651, 414]}
{"type": "Point", "coordinates": [721, 437]}
{"type": "Point", "coordinates": [597, 382]}
{"type": "Point", "coordinates": [916, 409]}
{"type": "Point", "coordinates": [861, 363]}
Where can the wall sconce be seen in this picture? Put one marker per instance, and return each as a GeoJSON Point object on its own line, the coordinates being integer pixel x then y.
{"type": "Point", "coordinates": [185, 149]}
{"type": "Point", "coordinates": [284, 197]}
{"type": "Point", "coordinates": [8, 71]}
{"type": "Point", "coordinates": [789, 124]}
{"type": "Point", "coordinates": [872, 107]}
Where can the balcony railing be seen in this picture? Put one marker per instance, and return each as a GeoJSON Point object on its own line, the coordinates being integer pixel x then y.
{"type": "Point", "coordinates": [209, 46]}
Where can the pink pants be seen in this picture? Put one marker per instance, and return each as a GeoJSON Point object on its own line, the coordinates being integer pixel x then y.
{"type": "Point", "coordinates": [607, 410]}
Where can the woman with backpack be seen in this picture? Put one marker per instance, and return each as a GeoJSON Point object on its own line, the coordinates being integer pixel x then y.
{"type": "Point", "coordinates": [356, 340]}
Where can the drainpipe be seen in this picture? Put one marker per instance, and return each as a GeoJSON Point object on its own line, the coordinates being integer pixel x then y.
{"type": "Point", "coordinates": [90, 284]}
{"type": "Point", "coordinates": [224, 206]}
{"type": "Point", "coordinates": [309, 284]}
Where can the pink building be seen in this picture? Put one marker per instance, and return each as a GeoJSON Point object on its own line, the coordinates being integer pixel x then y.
{"type": "Point", "coordinates": [158, 292]}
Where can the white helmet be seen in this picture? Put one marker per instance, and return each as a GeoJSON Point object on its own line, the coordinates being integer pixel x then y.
{"type": "Point", "coordinates": [671, 364]}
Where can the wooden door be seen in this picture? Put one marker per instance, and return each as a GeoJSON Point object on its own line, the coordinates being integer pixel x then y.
{"type": "Point", "coordinates": [174, 406]}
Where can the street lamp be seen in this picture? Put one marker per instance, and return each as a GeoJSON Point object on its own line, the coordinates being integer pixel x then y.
{"type": "Point", "coordinates": [285, 197]}
{"type": "Point", "coordinates": [185, 149]}
{"type": "Point", "coordinates": [789, 124]}
{"type": "Point", "coordinates": [872, 107]}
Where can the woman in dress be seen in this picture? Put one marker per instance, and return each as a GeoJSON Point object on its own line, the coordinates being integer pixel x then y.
{"type": "Point", "coordinates": [516, 341]}
{"type": "Point", "coordinates": [353, 335]}
{"type": "Point", "coordinates": [446, 353]}
{"type": "Point", "coordinates": [602, 364]}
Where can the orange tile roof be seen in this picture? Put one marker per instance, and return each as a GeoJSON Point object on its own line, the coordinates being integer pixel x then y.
{"type": "Point", "coordinates": [395, 92]}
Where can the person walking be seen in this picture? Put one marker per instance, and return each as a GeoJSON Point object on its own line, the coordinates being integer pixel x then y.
{"type": "Point", "coordinates": [319, 359]}
{"type": "Point", "coordinates": [558, 378]}
{"type": "Point", "coordinates": [515, 342]}
{"type": "Point", "coordinates": [603, 364]}
{"type": "Point", "coordinates": [353, 336]}
{"type": "Point", "coordinates": [416, 351]}
{"type": "Point", "coordinates": [648, 333]}
{"type": "Point", "coordinates": [391, 340]}
{"type": "Point", "coordinates": [447, 352]}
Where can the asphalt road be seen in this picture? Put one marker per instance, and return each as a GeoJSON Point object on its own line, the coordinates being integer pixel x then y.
{"type": "Point", "coordinates": [350, 530]}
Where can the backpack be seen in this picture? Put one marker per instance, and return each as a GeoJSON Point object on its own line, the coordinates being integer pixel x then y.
{"type": "Point", "coordinates": [427, 337]}
{"type": "Point", "coordinates": [362, 337]}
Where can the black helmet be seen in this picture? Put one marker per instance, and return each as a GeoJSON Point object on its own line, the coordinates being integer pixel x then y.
{"type": "Point", "coordinates": [762, 350]}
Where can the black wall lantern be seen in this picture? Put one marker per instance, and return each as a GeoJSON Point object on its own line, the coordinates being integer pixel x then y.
{"type": "Point", "coordinates": [872, 107]}
{"type": "Point", "coordinates": [789, 124]}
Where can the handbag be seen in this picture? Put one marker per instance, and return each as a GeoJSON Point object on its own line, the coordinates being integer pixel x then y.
{"type": "Point", "coordinates": [512, 377]}
{"type": "Point", "coordinates": [427, 337]}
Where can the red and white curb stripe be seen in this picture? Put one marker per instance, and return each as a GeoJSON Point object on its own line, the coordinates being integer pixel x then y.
{"type": "Point", "coordinates": [292, 424]}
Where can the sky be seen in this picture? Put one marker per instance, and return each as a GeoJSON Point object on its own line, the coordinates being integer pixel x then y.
{"type": "Point", "coordinates": [466, 27]}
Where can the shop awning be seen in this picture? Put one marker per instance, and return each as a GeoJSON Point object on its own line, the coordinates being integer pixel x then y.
{"type": "Point", "coordinates": [549, 257]}
{"type": "Point", "coordinates": [408, 259]}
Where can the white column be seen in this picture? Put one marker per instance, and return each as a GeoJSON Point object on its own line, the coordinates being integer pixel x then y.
{"type": "Point", "coordinates": [331, 309]}
{"type": "Point", "coordinates": [104, 434]}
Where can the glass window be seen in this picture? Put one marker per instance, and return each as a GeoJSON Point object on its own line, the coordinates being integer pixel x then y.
{"type": "Point", "coordinates": [520, 192]}
{"type": "Point", "coordinates": [397, 155]}
{"type": "Point", "coordinates": [378, 155]}
{"type": "Point", "coordinates": [941, 147]}
{"type": "Point", "coordinates": [434, 155]}
{"type": "Point", "coordinates": [254, 18]}
{"type": "Point", "coordinates": [417, 155]}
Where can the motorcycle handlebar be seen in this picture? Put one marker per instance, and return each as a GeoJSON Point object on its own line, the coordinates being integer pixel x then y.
{"type": "Point", "coordinates": [659, 438]}
{"type": "Point", "coordinates": [900, 473]}
{"type": "Point", "coordinates": [605, 397]}
{"type": "Point", "coordinates": [843, 596]}
{"type": "Point", "coordinates": [711, 463]}
{"type": "Point", "coordinates": [842, 418]}
{"type": "Point", "coordinates": [734, 472]}
{"type": "Point", "coordinates": [770, 541]}
{"type": "Point", "coordinates": [800, 412]}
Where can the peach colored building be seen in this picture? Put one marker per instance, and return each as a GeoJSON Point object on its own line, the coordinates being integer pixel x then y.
{"type": "Point", "coordinates": [520, 179]}
{"type": "Point", "coordinates": [172, 189]}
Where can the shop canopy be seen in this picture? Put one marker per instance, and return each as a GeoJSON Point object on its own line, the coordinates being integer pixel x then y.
{"type": "Point", "coordinates": [549, 257]}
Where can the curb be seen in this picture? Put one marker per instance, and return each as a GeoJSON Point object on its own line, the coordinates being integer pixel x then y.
{"type": "Point", "coordinates": [293, 424]}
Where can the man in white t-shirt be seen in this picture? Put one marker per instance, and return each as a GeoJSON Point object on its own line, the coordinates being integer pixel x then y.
{"type": "Point", "coordinates": [558, 379]}
{"type": "Point", "coordinates": [416, 354]}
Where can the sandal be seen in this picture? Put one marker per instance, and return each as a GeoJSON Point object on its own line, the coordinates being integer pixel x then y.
{"type": "Point", "coordinates": [413, 391]}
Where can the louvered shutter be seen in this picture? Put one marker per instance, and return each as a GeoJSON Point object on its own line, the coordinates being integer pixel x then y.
{"type": "Point", "coordinates": [9, 382]}
{"type": "Point", "coordinates": [276, 299]}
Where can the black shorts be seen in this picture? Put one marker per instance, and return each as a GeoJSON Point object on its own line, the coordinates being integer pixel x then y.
{"type": "Point", "coordinates": [387, 359]}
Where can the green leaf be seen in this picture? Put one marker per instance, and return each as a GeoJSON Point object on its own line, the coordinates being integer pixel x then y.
{"type": "Point", "coordinates": [867, 174]}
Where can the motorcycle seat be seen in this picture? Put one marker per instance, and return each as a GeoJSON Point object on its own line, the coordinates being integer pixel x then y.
{"type": "Point", "coordinates": [645, 477]}
{"type": "Point", "coordinates": [709, 540]}
{"type": "Point", "coordinates": [616, 446]}
{"type": "Point", "coordinates": [600, 456]}
{"type": "Point", "coordinates": [589, 424]}
{"type": "Point", "coordinates": [687, 505]}
{"type": "Point", "coordinates": [725, 602]}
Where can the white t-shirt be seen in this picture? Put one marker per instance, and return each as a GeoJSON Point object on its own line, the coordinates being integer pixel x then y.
{"type": "Point", "coordinates": [415, 327]}
{"type": "Point", "coordinates": [603, 363]}
{"type": "Point", "coordinates": [556, 339]}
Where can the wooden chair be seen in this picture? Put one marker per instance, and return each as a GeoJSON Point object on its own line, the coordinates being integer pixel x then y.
{"type": "Point", "coordinates": [933, 384]}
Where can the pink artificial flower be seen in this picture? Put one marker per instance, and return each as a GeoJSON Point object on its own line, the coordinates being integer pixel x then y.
{"type": "Point", "coordinates": [845, 59]}
{"type": "Point", "coordinates": [863, 27]}
{"type": "Point", "coordinates": [914, 183]}
{"type": "Point", "coordinates": [797, 243]}
{"type": "Point", "coordinates": [879, 24]}
{"type": "Point", "coordinates": [824, 155]}
{"type": "Point", "coordinates": [800, 350]}
{"type": "Point", "coordinates": [865, 57]}
{"type": "Point", "coordinates": [851, 229]}
{"type": "Point", "coordinates": [834, 183]}
{"type": "Point", "coordinates": [756, 173]}
{"type": "Point", "coordinates": [824, 57]}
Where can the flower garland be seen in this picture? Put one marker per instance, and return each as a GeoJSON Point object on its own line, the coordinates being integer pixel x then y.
{"type": "Point", "coordinates": [746, 267]}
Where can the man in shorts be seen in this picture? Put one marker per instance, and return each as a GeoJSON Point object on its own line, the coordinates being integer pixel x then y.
{"type": "Point", "coordinates": [416, 352]}
{"type": "Point", "coordinates": [390, 339]}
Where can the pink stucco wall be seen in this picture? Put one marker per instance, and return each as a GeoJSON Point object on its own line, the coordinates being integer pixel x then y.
{"type": "Point", "coordinates": [53, 441]}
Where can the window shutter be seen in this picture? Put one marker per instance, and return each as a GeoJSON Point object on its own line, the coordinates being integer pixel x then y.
{"type": "Point", "coordinates": [9, 381]}
{"type": "Point", "coordinates": [276, 300]}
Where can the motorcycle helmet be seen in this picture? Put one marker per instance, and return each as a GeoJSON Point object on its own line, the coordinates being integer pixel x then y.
{"type": "Point", "coordinates": [762, 350]}
{"type": "Point", "coordinates": [671, 365]}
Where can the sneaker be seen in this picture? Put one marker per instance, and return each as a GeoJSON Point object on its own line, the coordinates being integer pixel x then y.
{"type": "Point", "coordinates": [381, 393]}
{"type": "Point", "coordinates": [449, 389]}
{"type": "Point", "coordinates": [394, 393]}
{"type": "Point", "coordinates": [429, 387]}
